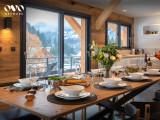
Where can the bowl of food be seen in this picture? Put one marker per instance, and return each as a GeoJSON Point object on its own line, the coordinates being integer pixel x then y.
{"type": "Point", "coordinates": [26, 82]}
{"type": "Point", "coordinates": [136, 75]}
{"type": "Point", "coordinates": [112, 80]}
{"type": "Point", "coordinates": [73, 90]}
{"type": "Point", "coordinates": [153, 70]}
{"type": "Point", "coordinates": [131, 69]}
{"type": "Point", "coordinates": [56, 80]}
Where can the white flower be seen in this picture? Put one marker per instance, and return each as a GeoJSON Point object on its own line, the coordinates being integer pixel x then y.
{"type": "Point", "coordinates": [119, 56]}
{"type": "Point", "coordinates": [93, 53]}
{"type": "Point", "coordinates": [113, 58]}
{"type": "Point", "coordinates": [92, 46]}
{"type": "Point", "coordinates": [106, 55]}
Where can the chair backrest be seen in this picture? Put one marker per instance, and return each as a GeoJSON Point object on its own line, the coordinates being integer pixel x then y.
{"type": "Point", "coordinates": [48, 70]}
{"type": "Point", "coordinates": [130, 109]}
{"type": "Point", "coordinates": [154, 106]}
{"type": "Point", "coordinates": [132, 112]}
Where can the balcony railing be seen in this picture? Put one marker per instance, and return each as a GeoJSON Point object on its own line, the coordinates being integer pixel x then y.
{"type": "Point", "coordinates": [36, 66]}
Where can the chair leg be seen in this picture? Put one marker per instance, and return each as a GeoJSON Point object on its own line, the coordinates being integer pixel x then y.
{"type": "Point", "coordinates": [99, 107]}
{"type": "Point", "coordinates": [147, 112]}
{"type": "Point", "coordinates": [138, 114]}
{"type": "Point", "coordinates": [132, 99]}
{"type": "Point", "coordinates": [123, 96]}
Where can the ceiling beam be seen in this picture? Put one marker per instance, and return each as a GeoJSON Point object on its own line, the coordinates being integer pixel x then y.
{"type": "Point", "coordinates": [106, 13]}
{"type": "Point", "coordinates": [74, 24]}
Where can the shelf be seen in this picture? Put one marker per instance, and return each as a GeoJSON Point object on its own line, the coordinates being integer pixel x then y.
{"type": "Point", "coordinates": [151, 30]}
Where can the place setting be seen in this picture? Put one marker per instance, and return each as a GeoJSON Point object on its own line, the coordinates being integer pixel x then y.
{"type": "Point", "coordinates": [152, 72]}
{"type": "Point", "coordinates": [72, 95]}
{"type": "Point", "coordinates": [111, 83]}
{"type": "Point", "coordinates": [136, 77]}
{"type": "Point", "coordinates": [25, 84]}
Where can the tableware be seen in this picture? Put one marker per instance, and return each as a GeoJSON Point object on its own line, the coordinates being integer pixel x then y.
{"type": "Point", "coordinates": [152, 74]}
{"type": "Point", "coordinates": [62, 94]}
{"type": "Point", "coordinates": [73, 90]}
{"type": "Point", "coordinates": [113, 81]}
{"type": "Point", "coordinates": [95, 71]}
{"type": "Point", "coordinates": [153, 71]}
{"type": "Point", "coordinates": [34, 79]}
{"type": "Point", "coordinates": [25, 82]}
{"type": "Point", "coordinates": [136, 75]}
{"type": "Point", "coordinates": [29, 97]}
{"type": "Point", "coordinates": [136, 79]}
{"type": "Point", "coordinates": [32, 91]}
{"type": "Point", "coordinates": [19, 85]}
{"type": "Point", "coordinates": [116, 68]}
{"type": "Point", "coordinates": [108, 85]}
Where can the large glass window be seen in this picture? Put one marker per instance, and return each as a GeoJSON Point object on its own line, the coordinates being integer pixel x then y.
{"type": "Point", "coordinates": [119, 33]}
{"type": "Point", "coordinates": [46, 35]}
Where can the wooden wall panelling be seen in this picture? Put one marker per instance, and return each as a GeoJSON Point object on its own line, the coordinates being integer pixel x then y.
{"type": "Point", "coordinates": [14, 38]}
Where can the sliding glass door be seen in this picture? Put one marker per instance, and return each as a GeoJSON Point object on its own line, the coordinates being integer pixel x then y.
{"type": "Point", "coordinates": [74, 44]}
{"type": "Point", "coordinates": [41, 42]}
{"type": "Point", "coordinates": [55, 42]}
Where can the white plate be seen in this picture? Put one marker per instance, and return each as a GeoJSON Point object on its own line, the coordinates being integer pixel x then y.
{"type": "Point", "coordinates": [120, 85]}
{"type": "Point", "coordinates": [20, 85]}
{"type": "Point", "coordinates": [136, 79]}
{"type": "Point", "coordinates": [62, 94]}
{"type": "Point", "coordinates": [158, 73]}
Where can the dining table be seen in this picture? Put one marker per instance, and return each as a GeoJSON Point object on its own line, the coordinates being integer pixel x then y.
{"type": "Point", "coordinates": [46, 110]}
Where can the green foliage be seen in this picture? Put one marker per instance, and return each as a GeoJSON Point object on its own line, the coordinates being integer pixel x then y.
{"type": "Point", "coordinates": [107, 55]}
{"type": "Point", "coordinates": [57, 78]}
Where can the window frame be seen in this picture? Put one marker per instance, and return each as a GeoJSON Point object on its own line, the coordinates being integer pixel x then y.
{"type": "Point", "coordinates": [62, 12]}
{"type": "Point", "coordinates": [119, 24]}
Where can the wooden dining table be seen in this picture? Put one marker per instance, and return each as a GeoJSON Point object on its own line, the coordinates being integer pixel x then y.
{"type": "Point", "coordinates": [49, 111]}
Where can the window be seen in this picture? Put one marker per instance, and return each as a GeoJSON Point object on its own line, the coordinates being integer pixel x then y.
{"type": "Point", "coordinates": [119, 33]}
{"type": "Point", "coordinates": [52, 41]}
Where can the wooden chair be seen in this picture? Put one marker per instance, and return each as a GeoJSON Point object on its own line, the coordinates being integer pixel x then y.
{"type": "Point", "coordinates": [131, 112]}
{"type": "Point", "coordinates": [149, 110]}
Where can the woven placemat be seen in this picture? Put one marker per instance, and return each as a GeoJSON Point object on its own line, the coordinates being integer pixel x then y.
{"type": "Point", "coordinates": [24, 88]}
{"type": "Point", "coordinates": [151, 75]}
{"type": "Point", "coordinates": [144, 80]}
{"type": "Point", "coordinates": [107, 88]}
{"type": "Point", "coordinates": [53, 99]}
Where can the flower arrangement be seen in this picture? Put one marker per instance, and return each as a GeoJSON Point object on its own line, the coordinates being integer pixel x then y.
{"type": "Point", "coordinates": [107, 55]}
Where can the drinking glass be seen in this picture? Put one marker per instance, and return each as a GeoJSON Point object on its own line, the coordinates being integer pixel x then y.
{"type": "Point", "coordinates": [140, 63]}
{"type": "Point", "coordinates": [94, 74]}
{"type": "Point", "coordinates": [100, 71]}
{"type": "Point", "coordinates": [56, 85]}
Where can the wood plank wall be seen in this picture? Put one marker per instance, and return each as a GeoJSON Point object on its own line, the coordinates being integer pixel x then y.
{"type": "Point", "coordinates": [10, 61]}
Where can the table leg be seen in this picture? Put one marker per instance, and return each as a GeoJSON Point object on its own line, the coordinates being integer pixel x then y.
{"type": "Point", "coordinates": [73, 116]}
{"type": "Point", "coordinates": [85, 114]}
{"type": "Point", "coordinates": [82, 114]}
